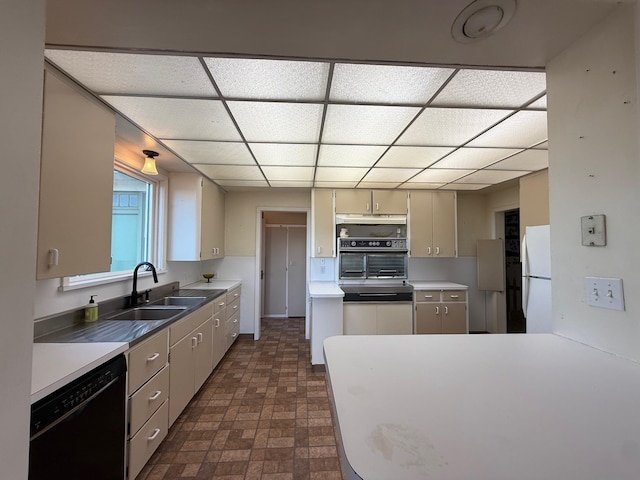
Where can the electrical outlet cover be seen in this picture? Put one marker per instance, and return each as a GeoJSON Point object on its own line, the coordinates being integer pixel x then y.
{"type": "Point", "coordinates": [594, 231]}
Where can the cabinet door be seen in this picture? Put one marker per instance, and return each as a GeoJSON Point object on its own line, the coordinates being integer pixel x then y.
{"type": "Point", "coordinates": [76, 183]}
{"type": "Point", "coordinates": [454, 317]}
{"type": "Point", "coordinates": [444, 224]}
{"type": "Point", "coordinates": [394, 319]}
{"type": "Point", "coordinates": [428, 318]}
{"type": "Point", "coordinates": [359, 319]}
{"type": "Point", "coordinates": [421, 223]}
{"type": "Point", "coordinates": [181, 378]}
{"type": "Point", "coordinates": [389, 202]}
{"type": "Point", "coordinates": [353, 201]}
{"type": "Point", "coordinates": [207, 221]}
{"type": "Point", "coordinates": [204, 353]}
{"type": "Point", "coordinates": [324, 240]}
{"type": "Point", "coordinates": [218, 221]}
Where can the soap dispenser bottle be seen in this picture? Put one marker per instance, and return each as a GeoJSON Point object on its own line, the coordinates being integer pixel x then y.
{"type": "Point", "coordinates": [91, 310]}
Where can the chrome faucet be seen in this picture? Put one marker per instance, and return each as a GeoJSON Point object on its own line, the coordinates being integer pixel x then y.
{"type": "Point", "coordinates": [134, 292]}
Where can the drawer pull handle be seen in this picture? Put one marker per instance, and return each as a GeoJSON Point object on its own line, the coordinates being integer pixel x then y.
{"type": "Point", "coordinates": [54, 255]}
{"type": "Point", "coordinates": [437, 310]}
{"type": "Point", "coordinates": [454, 296]}
{"type": "Point", "coordinates": [437, 250]}
{"type": "Point", "coordinates": [428, 296]}
{"type": "Point", "coordinates": [221, 304]}
{"type": "Point", "coordinates": [234, 335]}
{"type": "Point", "coordinates": [236, 295]}
{"type": "Point", "coordinates": [155, 396]}
{"type": "Point", "coordinates": [194, 342]}
{"type": "Point", "coordinates": [199, 337]}
{"type": "Point", "coordinates": [153, 357]}
{"type": "Point", "coordinates": [235, 321]}
{"type": "Point", "coordinates": [217, 322]}
{"type": "Point", "coordinates": [235, 307]}
{"type": "Point", "coordinates": [428, 250]}
{"type": "Point", "coordinates": [153, 436]}
{"type": "Point", "coordinates": [446, 310]}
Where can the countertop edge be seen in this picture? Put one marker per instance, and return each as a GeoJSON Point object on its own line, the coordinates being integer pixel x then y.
{"type": "Point", "coordinates": [325, 290]}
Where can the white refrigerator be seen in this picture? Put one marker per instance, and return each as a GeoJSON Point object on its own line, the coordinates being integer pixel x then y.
{"type": "Point", "coordinates": [536, 279]}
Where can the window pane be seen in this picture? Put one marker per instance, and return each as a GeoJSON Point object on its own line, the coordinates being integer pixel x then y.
{"type": "Point", "coordinates": [130, 222]}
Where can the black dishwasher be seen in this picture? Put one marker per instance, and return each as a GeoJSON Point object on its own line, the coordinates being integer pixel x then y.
{"type": "Point", "coordinates": [78, 431]}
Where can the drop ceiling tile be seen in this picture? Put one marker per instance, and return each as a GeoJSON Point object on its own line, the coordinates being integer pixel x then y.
{"type": "Point", "coordinates": [491, 176]}
{"type": "Point", "coordinates": [275, 122]}
{"type": "Point", "coordinates": [390, 174]}
{"type": "Point", "coordinates": [473, 158]}
{"type": "Point", "coordinates": [449, 126]}
{"type": "Point", "coordinates": [386, 84]}
{"type": "Point", "coordinates": [291, 184]}
{"type": "Point", "coordinates": [294, 154]}
{"type": "Point", "coordinates": [242, 183]}
{"type": "Point", "coordinates": [465, 186]}
{"type": "Point", "coordinates": [365, 124]}
{"type": "Point", "coordinates": [246, 78]}
{"type": "Point", "coordinates": [174, 118]}
{"type": "Point", "coordinates": [381, 185]}
{"type": "Point", "coordinates": [349, 155]}
{"type": "Point", "coordinates": [530, 160]}
{"type": "Point", "coordinates": [522, 130]}
{"type": "Point", "coordinates": [127, 73]}
{"type": "Point", "coordinates": [540, 103]}
{"type": "Point", "coordinates": [212, 153]}
{"type": "Point", "coordinates": [412, 157]}
{"type": "Point", "coordinates": [440, 176]}
{"type": "Point", "coordinates": [340, 174]}
{"type": "Point", "coordinates": [231, 172]}
{"type": "Point", "coordinates": [420, 186]}
{"type": "Point", "coordinates": [288, 173]}
{"type": "Point", "coordinates": [491, 88]}
{"type": "Point", "coordinates": [323, 184]}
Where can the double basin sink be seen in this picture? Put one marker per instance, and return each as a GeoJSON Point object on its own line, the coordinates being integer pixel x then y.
{"type": "Point", "coordinates": [162, 309]}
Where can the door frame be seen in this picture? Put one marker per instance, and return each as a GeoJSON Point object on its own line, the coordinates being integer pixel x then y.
{"type": "Point", "coordinates": [258, 263]}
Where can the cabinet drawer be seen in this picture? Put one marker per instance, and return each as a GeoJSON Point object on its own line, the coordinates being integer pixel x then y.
{"type": "Point", "coordinates": [233, 295]}
{"type": "Point", "coordinates": [427, 295]}
{"type": "Point", "coordinates": [183, 327]}
{"type": "Point", "coordinates": [219, 303]}
{"type": "Point", "coordinates": [233, 333]}
{"type": "Point", "coordinates": [233, 308]}
{"type": "Point", "coordinates": [454, 296]}
{"type": "Point", "coordinates": [147, 440]}
{"type": "Point", "coordinates": [148, 399]}
{"type": "Point", "coordinates": [146, 359]}
{"type": "Point", "coordinates": [232, 323]}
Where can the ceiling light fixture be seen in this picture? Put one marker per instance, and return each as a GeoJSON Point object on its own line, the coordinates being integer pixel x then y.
{"type": "Point", "coordinates": [481, 19]}
{"type": "Point", "coordinates": [149, 166]}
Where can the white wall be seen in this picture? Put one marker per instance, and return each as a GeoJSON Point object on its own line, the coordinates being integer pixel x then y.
{"type": "Point", "coordinates": [593, 169]}
{"type": "Point", "coordinates": [21, 55]}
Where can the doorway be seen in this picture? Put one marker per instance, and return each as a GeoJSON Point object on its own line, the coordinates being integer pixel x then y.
{"type": "Point", "coordinates": [284, 269]}
{"type": "Point", "coordinates": [513, 272]}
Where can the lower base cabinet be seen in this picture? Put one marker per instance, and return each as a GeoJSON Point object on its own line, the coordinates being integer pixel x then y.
{"type": "Point", "coordinates": [148, 439]}
{"type": "Point", "coordinates": [439, 312]}
{"type": "Point", "coordinates": [378, 318]}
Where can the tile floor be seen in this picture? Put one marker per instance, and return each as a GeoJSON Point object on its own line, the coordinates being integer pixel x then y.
{"type": "Point", "coordinates": [263, 414]}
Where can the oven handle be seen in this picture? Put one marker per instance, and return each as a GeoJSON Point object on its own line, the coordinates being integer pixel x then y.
{"type": "Point", "coordinates": [377, 294]}
{"type": "Point", "coordinates": [76, 411]}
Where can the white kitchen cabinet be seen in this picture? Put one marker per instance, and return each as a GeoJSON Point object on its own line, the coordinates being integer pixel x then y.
{"type": "Point", "coordinates": [323, 223]}
{"type": "Point", "coordinates": [76, 182]}
{"type": "Point", "coordinates": [441, 311]}
{"type": "Point", "coordinates": [190, 358]}
{"type": "Point", "coordinates": [432, 224]}
{"type": "Point", "coordinates": [377, 318]}
{"type": "Point", "coordinates": [368, 202]}
{"type": "Point", "coordinates": [232, 323]}
{"type": "Point", "coordinates": [196, 218]}
{"type": "Point", "coordinates": [219, 324]}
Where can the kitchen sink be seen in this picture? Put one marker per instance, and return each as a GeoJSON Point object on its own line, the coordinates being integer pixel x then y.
{"type": "Point", "coordinates": [149, 313]}
{"type": "Point", "coordinates": [179, 301]}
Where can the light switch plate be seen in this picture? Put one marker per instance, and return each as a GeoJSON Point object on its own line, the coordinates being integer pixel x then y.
{"type": "Point", "coordinates": [594, 231]}
{"type": "Point", "coordinates": [604, 292]}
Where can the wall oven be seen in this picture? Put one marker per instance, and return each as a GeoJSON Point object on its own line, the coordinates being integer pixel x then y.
{"type": "Point", "coordinates": [372, 258]}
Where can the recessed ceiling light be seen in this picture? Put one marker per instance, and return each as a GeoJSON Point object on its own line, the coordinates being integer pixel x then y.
{"type": "Point", "coordinates": [481, 19]}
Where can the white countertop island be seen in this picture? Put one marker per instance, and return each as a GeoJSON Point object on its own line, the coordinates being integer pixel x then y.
{"type": "Point", "coordinates": [484, 407]}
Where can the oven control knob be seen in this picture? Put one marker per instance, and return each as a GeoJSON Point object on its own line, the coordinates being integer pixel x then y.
{"type": "Point", "coordinates": [388, 243]}
{"type": "Point", "coordinates": [353, 243]}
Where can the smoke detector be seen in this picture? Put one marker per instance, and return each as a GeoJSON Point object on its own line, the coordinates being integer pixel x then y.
{"type": "Point", "coordinates": [481, 19]}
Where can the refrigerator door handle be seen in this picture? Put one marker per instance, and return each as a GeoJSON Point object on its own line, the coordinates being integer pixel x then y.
{"type": "Point", "coordinates": [524, 257]}
{"type": "Point", "coordinates": [525, 295]}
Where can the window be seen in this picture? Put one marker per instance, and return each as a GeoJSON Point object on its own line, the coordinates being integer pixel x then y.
{"type": "Point", "coordinates": [137, 226]}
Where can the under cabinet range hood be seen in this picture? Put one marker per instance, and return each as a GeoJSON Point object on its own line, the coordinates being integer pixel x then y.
{"type": "Point", "coordinates": [358, 219]}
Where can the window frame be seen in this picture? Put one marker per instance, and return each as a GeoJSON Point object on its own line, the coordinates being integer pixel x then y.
{"type": "Point", "coordinates": [158, 208]}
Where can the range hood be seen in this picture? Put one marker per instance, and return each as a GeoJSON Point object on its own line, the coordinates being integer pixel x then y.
{"type": "Point", "coordinates": [357, 219]}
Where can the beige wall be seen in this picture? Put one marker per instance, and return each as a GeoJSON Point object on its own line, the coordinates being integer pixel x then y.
{"type": "Point", "coordinates": [534, 200]}
{"type": "Point", "coordinates": [21, 53]}
{"type": "Point", "coordinates": [594, 169]}
{"type": "Point", "coordinates": [285, 218]}
{"type": "Point", "coordinates": [241, 212]}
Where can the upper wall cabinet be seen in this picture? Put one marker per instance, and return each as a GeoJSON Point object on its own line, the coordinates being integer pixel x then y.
{"type": "Point", "coordinates": [76, 182]}
{"type": "Point", "coordinates": [432, 224]}
{"type": "Point", "coordinates": [371, 202]}
{"type": "Point", "coordinates": [323, 226]}
{"type": "Point", "coordinates": [196, 218]}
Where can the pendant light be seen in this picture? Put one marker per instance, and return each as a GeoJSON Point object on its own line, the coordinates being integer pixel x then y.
{"type": "Point", "coordinates": [149, 166]}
